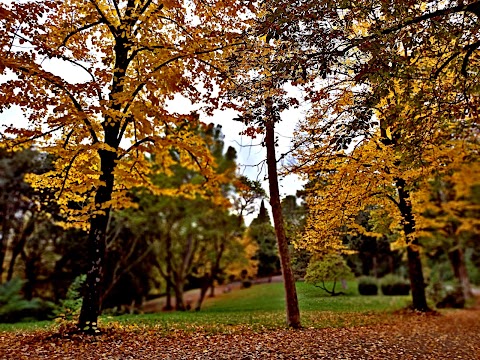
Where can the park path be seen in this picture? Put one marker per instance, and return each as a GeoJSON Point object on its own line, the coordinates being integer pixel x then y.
{"type": "Point", "coordinates": [454, 335]}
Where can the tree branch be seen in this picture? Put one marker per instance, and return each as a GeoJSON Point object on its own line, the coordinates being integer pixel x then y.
{"type": "Point", "coordinates": [38, 136]}
{"type": "Point", "coordinates": [171, 60]}
{"type": "Point", "coordinates": [115, 4]}
{"type": "Point", "coordinates": [69, 167]}
{"type": "Point", "coordinates": [136, 145]}
{"type": "Point", "coordinates": [471, 49]}
{"type": "Point", "coordinates": [76, 31]}
{"type": "Point", "coordinates": [104, 18]}
{"type": "Point", "coordinates": [42, 75]}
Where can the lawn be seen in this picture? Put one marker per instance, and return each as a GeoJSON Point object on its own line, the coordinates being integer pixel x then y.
{"type": "Point", "coordinates": [263, 307]}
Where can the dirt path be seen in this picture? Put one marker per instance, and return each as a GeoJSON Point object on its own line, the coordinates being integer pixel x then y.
{"type": "Point", "coordinates": [452, 336]}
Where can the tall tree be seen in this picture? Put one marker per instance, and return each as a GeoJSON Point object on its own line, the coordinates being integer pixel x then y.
{"type": "Point", "coordinates": [262, 233]}
{"type": "Point", "coordinates": [258, 85]}
{"type": "Point", "coordinates": [134, 55]}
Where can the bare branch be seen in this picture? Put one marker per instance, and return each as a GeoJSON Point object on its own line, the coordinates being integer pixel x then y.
{"type": "Point", "coordinates": [136, 145]}
{"type": "Point", "coordinates": [445, 64]}
{"type": "Point", "coordinates": [169, 61]}
{"type": "Point", "coordinates": [69, 167]}
{"type": "Point", "coordinates": [67, 139]}
{"type": "Point", "coordinates": [471, 49]}
{"type": "Point", "coordinates": [80, 29]}
{"type": "Point", "coordinates": [38, 136]}
{"type": "Point", "coordinates": [104, 18]}
{"type": "Point", "coordinates": [115, 4]}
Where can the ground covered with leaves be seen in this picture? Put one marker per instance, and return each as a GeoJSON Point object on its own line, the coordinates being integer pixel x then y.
{"type": "Point", "coordinates": [454, 335]}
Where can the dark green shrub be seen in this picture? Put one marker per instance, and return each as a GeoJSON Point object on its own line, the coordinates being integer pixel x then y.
{"type": "Point", "coordinates": [13, 306]}
{"type": "Point", "coordinates": [367, 285]}
{"type": "Point", "coordinates": [394, 285]}
{"type": "Point", "coordinates": [246, 284]}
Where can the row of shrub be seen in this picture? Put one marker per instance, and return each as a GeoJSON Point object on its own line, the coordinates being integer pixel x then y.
{"type": "Point", "coordinates": [390, 284]}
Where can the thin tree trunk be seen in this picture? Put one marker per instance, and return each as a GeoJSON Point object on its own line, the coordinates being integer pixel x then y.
{"type": "Point", "coordinates": [30, 274]}
{"type": "Point", "coordinates": [19, 245]}
{"type": "Point", "coordinates": [3, 247]}
{"type": "Point", "coordinates": [293, 312]}
{"type": "Point", "coordinates": [178, 289]}
{"type": "Point", "coordinates": [417, 282]}
{"type": "Point", "coordinates": [457, 260]}
{"type": "Point", "coordinates": [375, 265]}
{"type": "Point", "coordinates": [203, 291]}
{"type": "Point", "coordinates": [212, 289]}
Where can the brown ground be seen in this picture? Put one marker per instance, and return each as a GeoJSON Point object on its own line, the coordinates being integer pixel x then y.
{"type": "Point", "coordinates": [455, 335]}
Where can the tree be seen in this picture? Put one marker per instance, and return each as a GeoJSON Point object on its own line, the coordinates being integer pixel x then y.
{"type": "Point", "coordinates": [450, 218]}
{"type": "Point", "coordinates": [400, 62]}
{"type": "Point", "coordinates": [18, 203]}
{"type": "Point", "coordinates": [135, 55]}
{"type": "Point", "coordinates": [328, 268]}
{"type": "Point", "coordinates": [262, 233]}
{"type": "Point", "coordinates": [260, 91]}
{"type": "Point", "coordinates": [189, 241]}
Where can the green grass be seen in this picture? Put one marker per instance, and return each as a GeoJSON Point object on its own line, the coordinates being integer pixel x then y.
{"type": "Point", "coordinates": [263, 307]}
{"type": "Point", "coordinates": [26, 326]}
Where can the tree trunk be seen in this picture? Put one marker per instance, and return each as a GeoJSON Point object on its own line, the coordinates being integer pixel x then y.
{"type": "Point", "coordinates": [3, 246]}
{"type": "Point", "coordinates": [168, 278]}
{"type": "Point", "coordinates": [178, 289]}
{"type": "Point", "coordinates": [203, 291]}
{"type": "Point", "coordinates": [417, 282]}
{"type": "Point", "coordinates": [19, 243]}
{"type": "Point", "coordinates": [96, 247]}
{"type": "Point", "coordinates": [30, 274]}
{"type": "Point", "coordinates": [457, 260]}
{"type": "Point", "coordinates": [293, 312]}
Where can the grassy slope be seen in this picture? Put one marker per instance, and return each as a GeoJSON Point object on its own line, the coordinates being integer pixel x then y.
{"type": "Point", "coordinates": [263, 306]}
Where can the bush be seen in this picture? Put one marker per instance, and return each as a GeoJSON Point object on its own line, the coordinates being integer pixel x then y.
{"type": "Point", "coordinates": [394, 285]}
{"type": "Point", "coordinates": [446, 296]}
{"type": "Point", "coordinates": [13, 307]}
{"type": "Point", "coordinates": [246, 284]}
{"type": "Point", "coordinates": [367, 285]}
{"type": "Point", "coordinates": [69, 308]}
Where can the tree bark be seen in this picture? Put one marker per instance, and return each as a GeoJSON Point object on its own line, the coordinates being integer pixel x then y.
{"type": "Point", "coordinates": [168, 278]}
{"type": "Point", "coordinates": [293, 312]}
{"type": "Point", "coordinates": [20, 240]}
{"type": "Point", "coordinates": [417, 282]}
{"type": "Point", "coordinates": [178, 287]}
{"type": "Point", "coordinates": [97, 237]}
{"type": "Point", "coordinates": [96, 247]}
{"type": "Point", "coordinates": [457, 260]}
